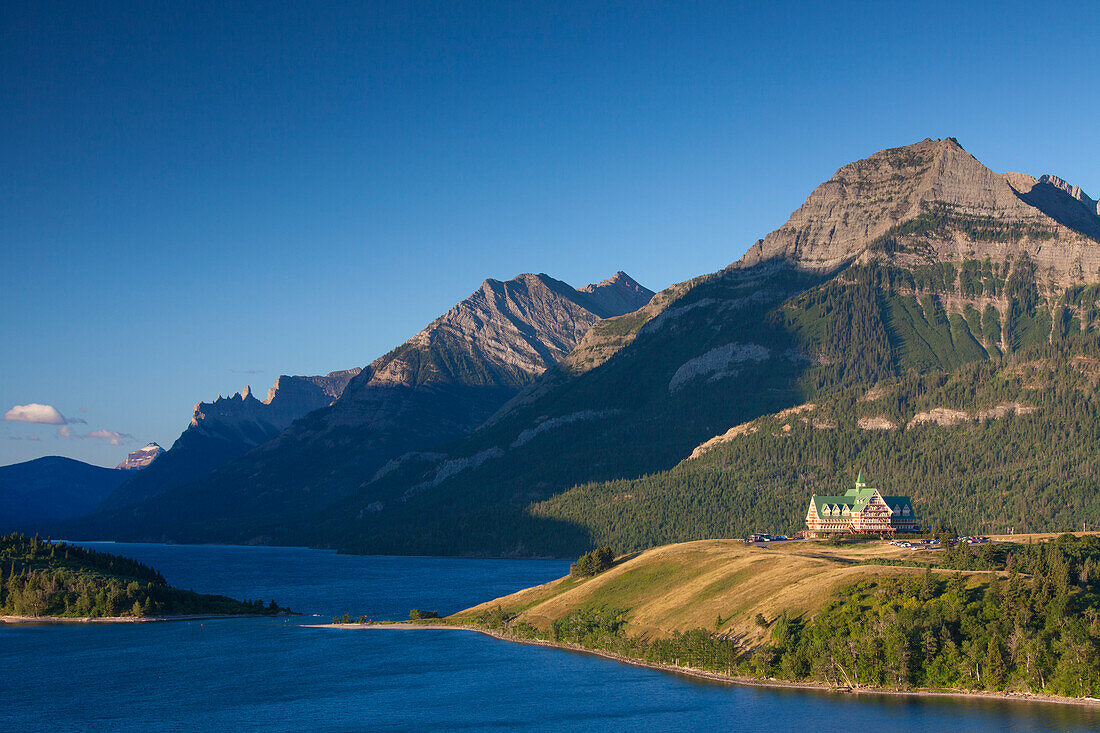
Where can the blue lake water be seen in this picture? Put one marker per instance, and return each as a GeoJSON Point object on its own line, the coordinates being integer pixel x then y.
{"type": "Point", "coordinates": [273, 674]}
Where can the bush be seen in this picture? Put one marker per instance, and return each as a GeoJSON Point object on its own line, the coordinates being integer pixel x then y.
{"type": "Point", "coordinates": [416, 614]}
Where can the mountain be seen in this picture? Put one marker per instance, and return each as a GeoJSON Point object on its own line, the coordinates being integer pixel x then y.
{"type": "Point", "coordinates": [53, 488]}
{"type": "Point", "coordinates": [443, 382]}
{"type": "Point", "coordinates": [227, 428]}
{"type": "Point", "coordinates": [141, 458]}
{"type": "Point", "coordinates": [917, 260]}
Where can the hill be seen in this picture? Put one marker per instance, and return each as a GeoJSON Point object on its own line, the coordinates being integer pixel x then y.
{"type": "Point", "coordinates": [1010, 444]}
{"type": "Point", "coordinates": [53, 488]}
{"type": "Point", "coordinates": [1006, 617]}
{"type": "Point", "coordinates": [676, 588]}
{"type": "Point", "coordinates": [43, 579]}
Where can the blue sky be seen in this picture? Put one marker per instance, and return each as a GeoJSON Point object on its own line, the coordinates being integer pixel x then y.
{"type": "Point", "coordinates": [199, 196]}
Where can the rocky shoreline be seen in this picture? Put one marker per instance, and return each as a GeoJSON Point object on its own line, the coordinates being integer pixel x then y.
{"type": "Point", "coordinates": [57, 620]}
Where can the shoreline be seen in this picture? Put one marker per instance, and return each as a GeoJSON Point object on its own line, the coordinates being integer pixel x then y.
{"type": "Point", "coordinates": [1022, 697]}
{"type": "Point", "coordinates": [70, 620]}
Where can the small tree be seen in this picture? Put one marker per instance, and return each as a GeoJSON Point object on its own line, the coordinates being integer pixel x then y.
{"type": "Point", "coordinates": [593, 563]}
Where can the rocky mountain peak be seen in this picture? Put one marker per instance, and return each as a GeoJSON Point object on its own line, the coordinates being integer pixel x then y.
{"type": "Point", "coordinates": [935, 192]}
{"type": "Point", "coordinates": [617, 295]}
{"type": "Point", "coordinates": [140, 458]}
{"type": "Point", "coordinates": [1065, 203]}
{"type": "Point", "coordinates": [1073, 191]}
{"type": "Point", "coordinates": [505, 333]}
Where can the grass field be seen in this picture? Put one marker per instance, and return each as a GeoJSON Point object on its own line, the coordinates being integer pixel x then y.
{"type": "Point", "coordinates": [716, 584]}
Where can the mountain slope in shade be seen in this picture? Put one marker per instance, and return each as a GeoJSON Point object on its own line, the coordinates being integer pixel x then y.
{"type": "Point", "coordinates": [141, 458]}
{"type": "Point", "coordinates": [229, 427]}
{"type": "Point", "coordinates": [441, 383]}
{"type": "Point", "coordinates": [916, 258]}
{"type": "Point", "coordinates": [46, 490]}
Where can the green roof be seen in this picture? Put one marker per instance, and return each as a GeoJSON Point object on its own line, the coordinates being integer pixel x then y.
{"type": "Point", "coordinates": [856, 500]}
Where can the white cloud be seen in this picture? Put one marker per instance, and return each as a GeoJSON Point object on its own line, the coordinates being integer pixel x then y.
{"type": "Point", "coordinates": [34, 412]}
{"type": "Point", "coordinates": [41, 414]}
{"type": "Point", "coordinates": [111, 436]}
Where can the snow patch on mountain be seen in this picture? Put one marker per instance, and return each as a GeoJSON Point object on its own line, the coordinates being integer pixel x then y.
{"type": "Point", "coordinates": [140, 458]}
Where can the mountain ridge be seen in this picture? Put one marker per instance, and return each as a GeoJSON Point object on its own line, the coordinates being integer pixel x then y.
{"type": "Point", "coordinates": [443, 381]}
{"type": "Point", "coordinates": [915, 260]}
{"type": "Point", "coordinates": [227, 428]}
{"type": "Point", "coordinates": [813, 305]}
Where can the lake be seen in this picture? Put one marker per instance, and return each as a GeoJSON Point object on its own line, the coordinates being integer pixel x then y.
{"type": "Point", "coordinates": [274, 674]}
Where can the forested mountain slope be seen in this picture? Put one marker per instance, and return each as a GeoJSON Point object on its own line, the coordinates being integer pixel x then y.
{"type": "Point", "coordinates": [994, 447]}
{"type": "Point", "coordinates": [916, 260]}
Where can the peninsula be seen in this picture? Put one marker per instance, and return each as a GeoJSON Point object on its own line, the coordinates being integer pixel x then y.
{"type": "Point", "coordinates": [1012, 617]}
{"type": "Point", "coordinates": [42, 581]}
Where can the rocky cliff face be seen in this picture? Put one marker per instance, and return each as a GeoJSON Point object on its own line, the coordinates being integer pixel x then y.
{"type": "Point", "coordinates": [229, 427]}
{"type": "Point", "coordinates": [616, 296]}
{"type": "Point", "coordinates": [441, 383]}
{"type": "Point", "coordinates": [245, 419]}
{"type": "Point", "coordinates": [935, 194]}
{"type": "Point", "coordinates": [141, 458]}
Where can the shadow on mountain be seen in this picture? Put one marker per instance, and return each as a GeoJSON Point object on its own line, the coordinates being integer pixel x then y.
{"type": "Point", "coordinates": [724, 352]}
{"type": "Point", "coordinates": [325, 455]}
{"type": "Point", "coordinates": [1063, 208]}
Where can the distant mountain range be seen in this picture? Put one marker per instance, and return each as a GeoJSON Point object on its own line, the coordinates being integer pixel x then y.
{"type": "Point", "coordinates": [537, 419]}
{"type": "Point", "coordinates": [443, 382]}
{"type": "Point", "coordinates": [229, 427]}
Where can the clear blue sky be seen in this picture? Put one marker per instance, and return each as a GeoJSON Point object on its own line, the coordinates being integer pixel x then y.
{"type": "Point", "coordinates": [196, 196]}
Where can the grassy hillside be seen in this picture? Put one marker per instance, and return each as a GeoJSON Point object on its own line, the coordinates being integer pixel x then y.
{"type": "Point", "coordinates": [1016, 616]}
{"type": "Point", "coordinates": [676, 588]}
